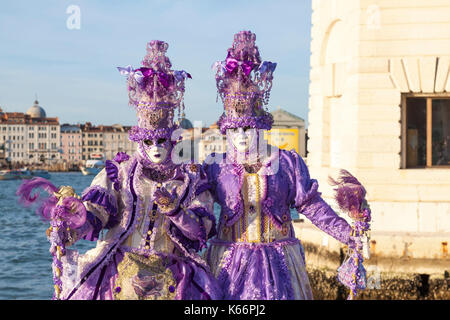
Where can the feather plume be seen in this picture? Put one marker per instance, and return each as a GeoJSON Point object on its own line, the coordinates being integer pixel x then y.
{"type": "Point", "coordinates": [349, 192]}
{"type": "Point", "coordinates": [26, 198]}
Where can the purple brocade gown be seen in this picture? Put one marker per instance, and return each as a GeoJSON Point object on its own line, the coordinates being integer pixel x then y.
{"type": "Point", "coordinates": [146, 253]}
{"type": "Point", "coordinates": [256, 254]}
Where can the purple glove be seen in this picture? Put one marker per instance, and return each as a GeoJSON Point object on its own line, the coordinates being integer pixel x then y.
{"type": "Point", "coordinates": [71, 211]}
{"type": "Point", "coordinates": [166, 201]}
{"type": "Point", "coordinates": [70, 214]}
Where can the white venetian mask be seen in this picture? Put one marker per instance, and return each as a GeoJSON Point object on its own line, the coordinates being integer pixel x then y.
{"type": "Point", "coordinates": [156, 151]}
{"type": "Point", "coordinates": [242, 138]}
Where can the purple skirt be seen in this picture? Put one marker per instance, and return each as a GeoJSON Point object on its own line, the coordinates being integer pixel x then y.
{"type": "Point", "coordinates": [260, 271]}
{"type": "Point", "coordinates": [190, 281]}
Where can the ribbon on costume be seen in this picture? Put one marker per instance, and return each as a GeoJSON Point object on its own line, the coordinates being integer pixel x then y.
{"type": "Point", "coordinates": [181, 75]}
{"type": "Point", "coordinates": [267, 66]}
{"type": "Point", "coordinates": [142, 73]}
{"type": "Point", "coordinates": [231, 64]}
{"type": "Point", "coordinates": [219, 65]}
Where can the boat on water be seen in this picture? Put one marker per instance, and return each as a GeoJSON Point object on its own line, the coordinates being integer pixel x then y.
{"type": "Point", "coordinates": [40, 173]}
{"type": "Point", "coordinates": [92, 167]}
{"type": "Point", "coordinates": [10, 175]}
{"type": "Point", "coordinates": [24, 173]}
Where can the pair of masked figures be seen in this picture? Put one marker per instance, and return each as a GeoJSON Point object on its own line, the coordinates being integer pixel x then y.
{"type": "Point", "coordinates": [159, 214]}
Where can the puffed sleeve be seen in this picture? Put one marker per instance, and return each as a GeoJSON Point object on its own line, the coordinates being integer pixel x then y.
{"type": "Point", "coordinates": [306, 198]}
{"type": "Point", "coordinates": [100, 200]}
{"type": "Point", "coordinates": [194, 222]}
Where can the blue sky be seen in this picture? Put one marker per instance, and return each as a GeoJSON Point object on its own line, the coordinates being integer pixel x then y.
{"type": "Point", "coordinates": [74, 73]}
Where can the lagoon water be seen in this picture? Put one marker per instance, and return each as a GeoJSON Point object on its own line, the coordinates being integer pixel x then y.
{"type": "Point", "coordinates": [25, 260]}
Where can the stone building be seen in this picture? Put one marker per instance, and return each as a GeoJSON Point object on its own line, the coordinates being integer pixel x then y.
{"type": "Point", "coordinates": [71, 144]}
{"type": "Point", "coordinates": [115, 139]}
{"type": "Point", "coordinates": [292, 132]}
{"type": "Point", "coordinates": [212, 141]}
{"type": "Point", "coordinates": [379, 107]}
{"type": "Point", "coordinates": [31, 137]}
{"type": "Point", "coordinates": [92, 141]}
{"type": "Point", "coordinates": [14, 138]}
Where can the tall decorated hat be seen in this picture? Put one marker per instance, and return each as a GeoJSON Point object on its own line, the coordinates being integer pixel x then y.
{"type": "Point", "coordinates": [156, 92]}
{"type": "Point", "coordinates": [244, 83]}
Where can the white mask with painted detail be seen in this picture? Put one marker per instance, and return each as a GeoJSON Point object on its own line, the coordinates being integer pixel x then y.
{"type": "Point", "coordinates": [156, 152]}
{"type": "Point", "coordinates": [241, 138]}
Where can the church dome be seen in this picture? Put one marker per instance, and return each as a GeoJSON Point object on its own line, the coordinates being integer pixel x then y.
{"type": "Point", "coordinates": [185, 123]}
{"type": "Point", "coordinates": [36, 111]}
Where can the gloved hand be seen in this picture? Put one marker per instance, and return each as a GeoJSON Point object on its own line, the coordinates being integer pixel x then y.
{"type": "Point", "coordinates": [68, 214]}
{"type": "Point", "coordinates": [167, 202]}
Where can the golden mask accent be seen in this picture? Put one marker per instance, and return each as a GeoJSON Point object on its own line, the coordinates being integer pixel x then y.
{"type": "Point", "coordinates": [285, 229]}
{"type": "Point", "coordinates": [153, 116]}
{"type": "Point", "coordinates": [164, 201]}
{"type": "Point", "coordinates": [65, 192]}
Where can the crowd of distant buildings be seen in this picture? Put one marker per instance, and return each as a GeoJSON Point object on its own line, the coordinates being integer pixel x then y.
{"type": "Point", "coordinates": [32, 139]}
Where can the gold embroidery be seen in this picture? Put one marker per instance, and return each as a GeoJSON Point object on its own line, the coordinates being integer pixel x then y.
{"type": "Point", "coordinates": [133, 269]}
{"type": "Point", "coordinates": [285, 229]}
{"type": "Point", "coordinates": [245, 190]}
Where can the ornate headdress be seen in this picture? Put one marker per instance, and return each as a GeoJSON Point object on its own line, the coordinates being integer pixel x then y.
{"type": "Point", "coordinates": [155, 91]}
{"type": "Point", "coordinates": [244, 84]}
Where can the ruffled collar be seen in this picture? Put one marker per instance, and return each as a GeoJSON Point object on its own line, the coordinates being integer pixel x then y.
{"type": "Point", "coordinates": [157, 172]}
{"type": "Point", "coordinates": [159, 175]}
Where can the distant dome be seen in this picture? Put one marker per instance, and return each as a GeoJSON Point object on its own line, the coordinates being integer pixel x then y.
{"type": "Point", "coordinates": [36, 111]}
{"type": "Point", "coordinates": [185, 123]}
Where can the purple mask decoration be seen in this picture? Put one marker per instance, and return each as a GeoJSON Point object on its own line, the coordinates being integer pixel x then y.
{"type": "Point", "coordinates": [232, 64]}
{"type": "Point", "coordinates": [244, 84]}
{"type": "Point", "coordinates": [155, 90]}
{"type": "Point", "coordinates": [148, 74]}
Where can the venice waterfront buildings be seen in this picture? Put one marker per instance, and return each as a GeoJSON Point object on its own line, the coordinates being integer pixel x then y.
{"type": "Point", "coordinates": [32, 138]}
{"type": "Point", "coordinates": [29, 137]}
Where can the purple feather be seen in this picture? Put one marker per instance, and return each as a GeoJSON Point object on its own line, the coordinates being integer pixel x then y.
{"type": "Point", "coordinates": [350, 193]}
{"type": "Point", "coordinates": [25, 190]}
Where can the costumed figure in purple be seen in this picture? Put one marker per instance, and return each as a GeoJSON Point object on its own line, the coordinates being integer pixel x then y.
{"type": "Point", "coordinates": [256, 254]}
{"type": "Point", "coordinates": [158, 215]}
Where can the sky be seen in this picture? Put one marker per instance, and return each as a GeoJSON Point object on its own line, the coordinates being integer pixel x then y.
{"type": "Point", "coordinates": [73, 71]}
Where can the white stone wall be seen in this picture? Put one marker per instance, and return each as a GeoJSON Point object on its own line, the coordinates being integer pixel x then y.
{"type": "Point", "coordinates": [364, 55]}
